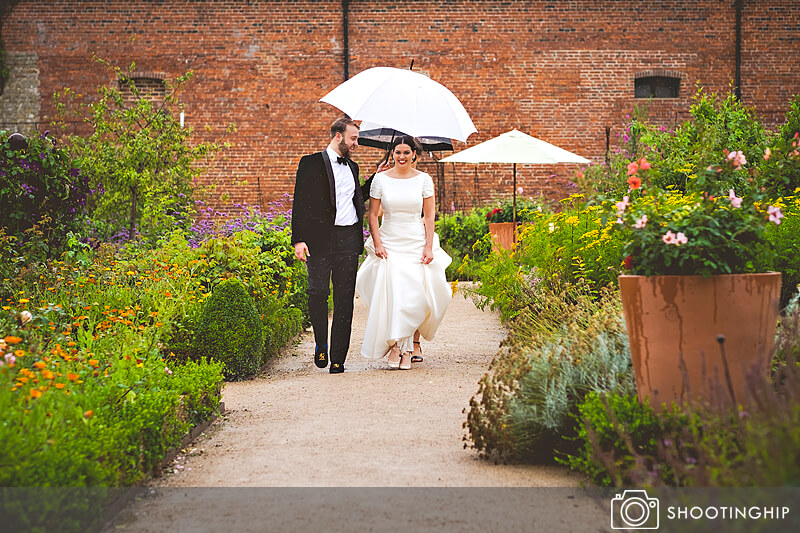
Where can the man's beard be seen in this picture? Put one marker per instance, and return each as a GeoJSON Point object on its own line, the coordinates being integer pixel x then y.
{"type": "Point", "coordinates": [344, 149]}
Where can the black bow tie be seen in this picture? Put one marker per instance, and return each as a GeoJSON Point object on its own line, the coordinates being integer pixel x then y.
{"type": "Point", "coordinates": [341, 160]}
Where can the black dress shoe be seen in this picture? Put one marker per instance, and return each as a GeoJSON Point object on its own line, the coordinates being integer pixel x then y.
{"type": "Point", "coordinates": [321, 357]}
{"type": "Point", "coordinates": [336, 368]}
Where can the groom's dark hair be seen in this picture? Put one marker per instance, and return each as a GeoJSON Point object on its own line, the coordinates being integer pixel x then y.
{"type": "Point", "coordinates": [340, 124]}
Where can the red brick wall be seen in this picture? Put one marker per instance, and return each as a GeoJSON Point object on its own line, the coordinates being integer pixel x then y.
{"type": "Point", "coordinates": [561, 71]}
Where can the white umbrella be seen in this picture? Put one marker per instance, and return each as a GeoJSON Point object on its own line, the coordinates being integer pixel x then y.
{"type": "Point", "coordinates": [515, 147]}
{"type": "Point", "coordinates": [403, 100]}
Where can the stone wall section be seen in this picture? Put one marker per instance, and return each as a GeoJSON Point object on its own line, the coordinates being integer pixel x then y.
{"type": "Point", "coordinates": [20, 101]}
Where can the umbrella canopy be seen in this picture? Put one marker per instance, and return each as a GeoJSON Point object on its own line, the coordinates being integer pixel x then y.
{"type": "Point", "coordinates": [403, 100]}
{"type": "Point", "coordinates": [515, 147]}
{"type": "Point", "coordinates": [377, 136]}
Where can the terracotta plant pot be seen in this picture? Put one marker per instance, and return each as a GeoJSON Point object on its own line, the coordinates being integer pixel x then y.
{"type": "Point", "coordinates": [502, 234]}
{"type": "Point", "coordinates": [670, 318]}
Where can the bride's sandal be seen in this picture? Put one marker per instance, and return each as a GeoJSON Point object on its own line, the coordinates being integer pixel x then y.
{"type": "Point", "coordinates": [415, 358]}
{"type": "Point", "coordinates": [394, 357]}
{"type": "Point", "coordinates": [405, 361]}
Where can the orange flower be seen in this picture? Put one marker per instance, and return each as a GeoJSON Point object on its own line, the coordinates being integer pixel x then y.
{"type": "Point", "coordinates": [88, 414]}
{"type": "Point", "coordinates": [93, 362]}
{"type": "Point", "coordinates": [60, 385]}
{"type": "Point", "coordinates": [13, 340]}
{"type": "Point", "coordinates": [71, 376]}
{"type": "Point", "coordinates": [634, 182]}
{"type": "Point", "coordinates": [47, 374]}
{"type": "Point", "coordinates": [36, 393]}
{"type": "Point", "coordinates": [40, 365]}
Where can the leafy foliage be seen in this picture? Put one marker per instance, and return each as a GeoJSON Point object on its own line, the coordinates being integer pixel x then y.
{"type": "Point", "coordinates": [37, 182]}
{"type": "Point", "coordinates": [229, 330]}
{"type": "Point", "coordinates": [458, 233]}
{"type": "Point", "coordinates": [138, 157]}
{"type": "Point", "coordinates": [522, 407]}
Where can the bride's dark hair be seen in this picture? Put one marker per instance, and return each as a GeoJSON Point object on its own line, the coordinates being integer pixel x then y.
{"type": "Point", "coordinates": [410, 141]}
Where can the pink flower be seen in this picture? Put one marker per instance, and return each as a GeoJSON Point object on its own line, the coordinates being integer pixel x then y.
{"type": "Point", "coordinates": [520, 190]}
{"type": "Point", "coordinates": [736, 202]}
{"type": "Point", "coordinates": [671, 238]}
{"type": "Point", "coordinates": [641, 222]}
{"type": "Point", "coordinates": [633, 168]}
{"type": "Point", "coordinates": [167, 370]}
{"type": "Point", "coordinates": [622, 205]}
{"type": "Point", "coordinates": [737, 159]}
{"type": "Point", "coordinates": [767, 153]}
{"type": "Point", "coordinates": [775, 214]}
{"type": "Point", "coordinates": [644, 164]}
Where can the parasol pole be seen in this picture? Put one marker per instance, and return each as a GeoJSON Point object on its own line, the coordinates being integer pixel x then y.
{"type": "Point", "coordinates": [514, 215]}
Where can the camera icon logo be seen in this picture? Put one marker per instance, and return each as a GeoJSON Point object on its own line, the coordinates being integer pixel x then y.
{"type": "Point", "coordinates": [634, 509]}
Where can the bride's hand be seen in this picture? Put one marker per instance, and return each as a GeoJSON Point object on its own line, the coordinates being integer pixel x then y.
{"type": "Point", "coordinates": [380, 251]}
{"type": "Point", "coordinates": [427, 257]}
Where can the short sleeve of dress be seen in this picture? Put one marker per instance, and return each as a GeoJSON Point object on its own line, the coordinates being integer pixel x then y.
{"type": "Point", "coordinates": [427, 186]}
{"type": "Point", "coordinates": [375, 190]}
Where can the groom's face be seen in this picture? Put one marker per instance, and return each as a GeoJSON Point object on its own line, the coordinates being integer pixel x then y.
{"type": "Point", "coordinates": [349, 141]}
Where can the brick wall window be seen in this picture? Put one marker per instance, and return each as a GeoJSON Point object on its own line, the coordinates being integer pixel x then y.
{"type": "Point", "coordinates": [149, 85]}
{"type": "Point", "coordinates": [657, 84]}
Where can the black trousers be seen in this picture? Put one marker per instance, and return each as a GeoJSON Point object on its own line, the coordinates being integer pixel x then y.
{"type": "Point", "coordinates": [337, 264]}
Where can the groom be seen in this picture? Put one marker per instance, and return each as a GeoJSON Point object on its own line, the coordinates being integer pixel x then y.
{"type": "Point", "coordinates": [327, 214]}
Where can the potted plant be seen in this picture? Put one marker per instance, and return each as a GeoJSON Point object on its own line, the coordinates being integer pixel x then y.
{"type": "Point", "coordinates": [700, 303]}
{"type": "Point", "coordinates": [504, 221]}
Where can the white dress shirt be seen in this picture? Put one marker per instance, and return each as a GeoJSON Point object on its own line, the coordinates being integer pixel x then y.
{"type": "Point", "coordinates": [345, 190]}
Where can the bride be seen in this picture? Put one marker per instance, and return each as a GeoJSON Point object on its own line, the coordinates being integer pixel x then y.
{"type": "Point", "coordinates": [402, 279]}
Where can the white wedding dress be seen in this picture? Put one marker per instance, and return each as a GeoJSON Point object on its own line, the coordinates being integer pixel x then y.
{"type": "Point", "coordinates": [403, 294]}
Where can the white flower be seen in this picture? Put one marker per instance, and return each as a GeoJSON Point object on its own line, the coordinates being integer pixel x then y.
{"type": "Point", "coordinates": [25, 317]}
{"type": "Point", "coordinates": [552, 227]}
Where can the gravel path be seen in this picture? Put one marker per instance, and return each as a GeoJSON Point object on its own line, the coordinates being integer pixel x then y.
{"type": "Point", "coordinates": [298, 426]}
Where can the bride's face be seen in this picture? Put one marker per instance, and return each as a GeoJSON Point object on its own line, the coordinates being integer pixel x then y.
{"type": "Point", "coordinates": [403, 155]}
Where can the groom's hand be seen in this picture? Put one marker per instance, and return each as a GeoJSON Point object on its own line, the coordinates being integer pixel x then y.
{"type": "Point", "coordinates": [301, 251]}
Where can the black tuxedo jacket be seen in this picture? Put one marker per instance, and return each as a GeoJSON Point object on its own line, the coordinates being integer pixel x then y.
{"type": "Point", "coordinates": [314, 204]}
